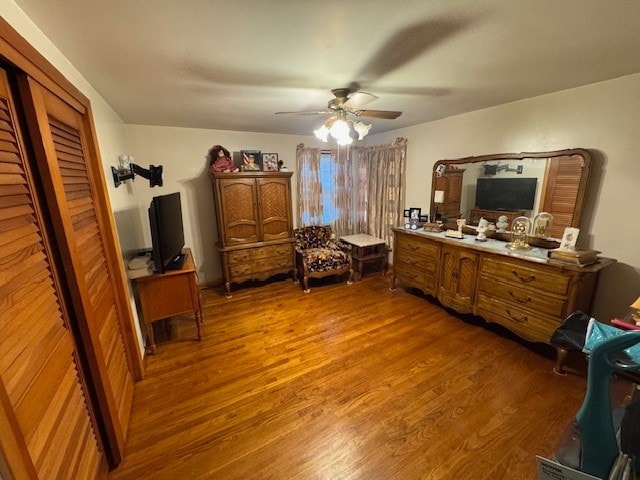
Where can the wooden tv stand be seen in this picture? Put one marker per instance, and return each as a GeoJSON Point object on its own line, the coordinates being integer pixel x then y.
{"type": "Point", "coordinates": [525, 291]}
{"type": "Point", "coordinates": [164, 295]}
{"type": "Point", "coordinates": [493, 215]}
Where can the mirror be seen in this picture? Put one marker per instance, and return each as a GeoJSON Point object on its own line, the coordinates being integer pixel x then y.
{"type": "Point", "coordinates": [512, 185]}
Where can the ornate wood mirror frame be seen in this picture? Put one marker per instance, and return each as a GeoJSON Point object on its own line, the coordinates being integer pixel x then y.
{"type": "Point", "coordinates": [562, 178]}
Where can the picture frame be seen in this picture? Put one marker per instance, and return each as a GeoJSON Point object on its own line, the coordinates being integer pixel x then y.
{"type": "Point", "coordinates": [406, 213]}
{"type": "Point", "coordinates": [270, 162]}
{"type": "Point", "coordinates": [423, 218]}
{"type": "Point", "coordinates": [414, 214]}
{"type": "Point", "coordinates": [569, 238]}
{"type": "Point", "coordinates": [251, 160]}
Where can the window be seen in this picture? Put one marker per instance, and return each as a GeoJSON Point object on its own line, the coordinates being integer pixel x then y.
{"type": "Point", "coordinates": [367, 201]}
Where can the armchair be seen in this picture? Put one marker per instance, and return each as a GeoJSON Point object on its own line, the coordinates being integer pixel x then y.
{"type": "Point", "coordinates": [319, 255]}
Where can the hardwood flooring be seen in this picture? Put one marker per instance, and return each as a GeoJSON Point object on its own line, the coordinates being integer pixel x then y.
{"type": "Point", "coordinates": [347, 382]}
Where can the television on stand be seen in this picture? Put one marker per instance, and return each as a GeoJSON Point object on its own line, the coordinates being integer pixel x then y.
{"type": "Point", "coordinates": [167, 233]}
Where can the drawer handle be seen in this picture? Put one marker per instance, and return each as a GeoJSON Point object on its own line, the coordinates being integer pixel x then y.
{"type": "Point", "coordinates": [413, 261]}
{"type": "Point", "coordinates": [522, 279]}
{"type": "Point", "coordinates": [522, 319]}
{"type": "Point", "coordinates": [414, 247]}
{"type": "Point", "coordinates": [519, 299]}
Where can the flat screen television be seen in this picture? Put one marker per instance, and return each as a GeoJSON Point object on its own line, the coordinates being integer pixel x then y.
{"type": "Point", "coordinates": [167, 233]}
{"type": "Point", "coordinates": [506, 193]}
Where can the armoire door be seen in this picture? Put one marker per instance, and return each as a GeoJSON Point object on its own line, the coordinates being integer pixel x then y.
{"type": "Point", "coordinates": [274, 197]}
{"type": "Point", "coordinates": [238, 209]}
{"type": "Point", "coordinates": [46, 427]}
{"type": "Point", "coordinates": [61, 135]}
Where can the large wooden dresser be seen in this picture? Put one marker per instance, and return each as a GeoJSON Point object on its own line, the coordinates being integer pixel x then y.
{"type": "Point", "coordinates": [255, 225]}
{"type": "Point", "coordinates": [525, 291]}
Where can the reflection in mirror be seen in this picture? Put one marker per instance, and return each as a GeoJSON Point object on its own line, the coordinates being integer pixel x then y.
{"type": "Point", "coordinates": [514, 185]}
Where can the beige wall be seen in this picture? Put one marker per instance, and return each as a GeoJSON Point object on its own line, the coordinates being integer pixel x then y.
{"type": "Point", "coordinates": [182, 152]}
{"type": "Point", "coordinates": [604, 118]}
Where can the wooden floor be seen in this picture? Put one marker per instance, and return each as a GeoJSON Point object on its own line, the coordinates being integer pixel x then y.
{"type": "Point", "coordinates": [347, 382]}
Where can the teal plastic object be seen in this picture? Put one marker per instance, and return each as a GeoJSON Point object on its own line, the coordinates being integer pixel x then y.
{"type": "Point", "coordinates": [597, 332]}
{"type": "Point", "coordinates": [599, 447]}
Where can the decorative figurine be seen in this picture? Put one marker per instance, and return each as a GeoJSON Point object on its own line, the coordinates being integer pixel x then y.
{"type": "Point", "coordinates": [220, 160]}
{"type": "Point", "coordinates": [461, 222]}
{"type": "Point", "coordinates": [502, 224]}
{"type": "Point", "coordinates": [483, 226]}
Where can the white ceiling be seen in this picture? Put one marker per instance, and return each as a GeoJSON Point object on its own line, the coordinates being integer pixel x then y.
{"type": "Point", "coordinates": [231, 65]}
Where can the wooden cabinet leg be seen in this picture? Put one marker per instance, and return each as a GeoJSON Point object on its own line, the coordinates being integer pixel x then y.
{"type": "Point", "coordinates": [560, 359]}
{"type": "Point", "coordinates": [199, 325]}
{"type": "Point", "coordinates": [393, 286]}
{"type": "Point", "coordinates": [227, 288]}
{"type": "Point", "coordinates": [151, 342]}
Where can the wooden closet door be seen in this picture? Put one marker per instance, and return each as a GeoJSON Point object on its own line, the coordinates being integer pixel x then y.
{"type": "Point", "coordinates": [65, 156]}
{"type": "Point", "coordinates": [46, 430]}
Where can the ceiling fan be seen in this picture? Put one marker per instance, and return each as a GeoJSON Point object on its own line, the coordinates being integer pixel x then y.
{"type": "Point", "coordinates": [346, 102]}
{"type": "Point", "coordinates": [350, 104]}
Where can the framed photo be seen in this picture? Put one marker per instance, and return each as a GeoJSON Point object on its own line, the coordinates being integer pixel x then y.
{"type": "Point", "coordinates": [270, 162]}
{"type": "Point", "coordinates": [251, 160]}
{"type": "Point", "coordinates": [424, 218]}
{"type": "Point", "coordinates": [405, 213]}
{"type": "Point", "coordinates": [569, 238]}
{"type": "Point", "coordinates": [414, 215]}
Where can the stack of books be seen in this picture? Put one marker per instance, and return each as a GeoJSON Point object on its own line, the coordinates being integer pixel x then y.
{"type": "Point", "coordinates": [576, 256]}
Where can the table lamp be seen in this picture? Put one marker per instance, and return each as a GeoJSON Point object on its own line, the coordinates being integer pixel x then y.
{"type": "Point", "coordinates": [438, 197]}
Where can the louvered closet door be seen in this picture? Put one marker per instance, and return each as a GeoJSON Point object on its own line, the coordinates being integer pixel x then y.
{"type": "Point", "coordinates": [70, 187]}
{"type": "Point", "coordinates": [48, 431]}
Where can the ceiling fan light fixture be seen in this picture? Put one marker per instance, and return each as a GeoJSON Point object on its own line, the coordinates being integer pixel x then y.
{"type": "Point", "coordinates": [322, 133]}
{"type": "Point", "coordinates": [362, 129]}
{"type": "Point", "coordinates": [339, 129]}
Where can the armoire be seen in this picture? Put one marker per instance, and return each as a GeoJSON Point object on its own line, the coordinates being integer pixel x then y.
{"type": "Point", "coordinates": [255, 225]}
{"type": "Point", "coordinates": [69, 356]}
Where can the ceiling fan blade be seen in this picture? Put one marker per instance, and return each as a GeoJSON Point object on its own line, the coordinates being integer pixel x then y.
{"type": "Point", "coordinates": [359, 99]}
{"type": "Point", "coordinates": [378, 114]}
{"type": "Point", "coordinates": [307, 112]}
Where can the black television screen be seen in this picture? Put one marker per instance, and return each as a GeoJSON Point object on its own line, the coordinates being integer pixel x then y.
{"type": "Point", "coordinates": [506, 193]}
{"type": "Point", "coordinates": [167, 234]}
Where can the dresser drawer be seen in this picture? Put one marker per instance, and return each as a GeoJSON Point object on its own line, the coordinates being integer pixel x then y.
{"type": "Point", "coordinates": [516, 273]}
{"type": "Point", "coordinates": [518, 296]}
{"type": "Point", "coordinates": [532, 327]}
{"type": "Point", "coordinates": [409, 259]}
{"type": "Point", "coordinates": [258, 267]}
{"type": "Point", "coordinates": [415, 277]}
{"type": "Point", "coordinates": [239, 257]}
{"type": "Point", "coordinates": [409, 246]}
{"type": "Point", "coordinates": [272, 251]}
